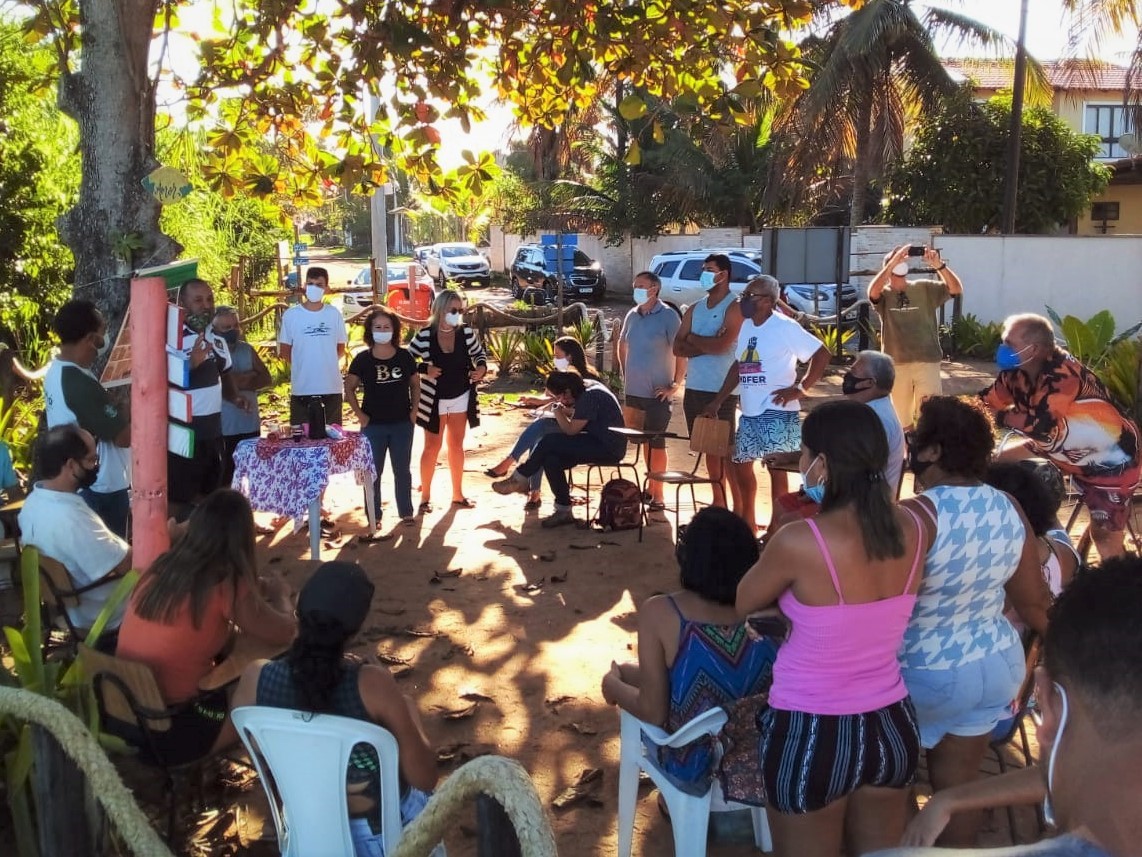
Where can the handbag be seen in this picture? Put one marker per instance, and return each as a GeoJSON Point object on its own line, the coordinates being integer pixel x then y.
{"type": "Point", "coordinates": [711, 436]}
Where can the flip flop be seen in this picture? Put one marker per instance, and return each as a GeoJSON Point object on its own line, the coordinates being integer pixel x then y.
{"type": "Point", "coordinates": [424, 508]}
{"type": "Point", "coordinates": [492, 473]}
{"type": "Point", "coordinates": [463, 504]}
{"type": "Point", "coordinates": [532, 505]}
{"type": "Point", "coordinates": [375, 537]}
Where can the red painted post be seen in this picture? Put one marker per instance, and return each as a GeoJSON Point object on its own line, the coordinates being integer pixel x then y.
{"type": "Point", "coordinates": [148, 330]}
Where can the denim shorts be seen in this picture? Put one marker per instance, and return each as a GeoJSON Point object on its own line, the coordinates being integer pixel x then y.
{"type": "Point", "coordinates": [967, 700]}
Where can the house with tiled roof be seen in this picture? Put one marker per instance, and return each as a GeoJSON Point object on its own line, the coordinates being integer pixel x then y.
{"type": "Point", "coordinates": [1089, 96]}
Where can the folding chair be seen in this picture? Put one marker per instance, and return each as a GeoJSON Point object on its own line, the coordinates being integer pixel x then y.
{"type": "Point", "coordinates": [1005, 732]}
{"type": "Point", "coordinates": [58, 592]}
{"type": "Point", "coordinates": [708, 438]}
{"type": "Point", "coordinates": [132, 708]}
{"type": "Point", "coordinates": [301, 759]}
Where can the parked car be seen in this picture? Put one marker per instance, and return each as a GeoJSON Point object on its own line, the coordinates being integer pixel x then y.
{"type": "Point", "coordinates": [680, 271]}
{"type": "Point", "coordinates": [531, 270]}
{"type": "Point", "coordinates": [361, 295]}
{"type": "Point", "coordinates": [421, 253]}
{"type": "Point", "coordinates": [800, 297]}
{"type": "Point", "coordinates": [461, 262]}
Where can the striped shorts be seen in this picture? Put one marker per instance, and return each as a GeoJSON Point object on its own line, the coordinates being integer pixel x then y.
{"type": "Point", "coordinates": [810, 760]}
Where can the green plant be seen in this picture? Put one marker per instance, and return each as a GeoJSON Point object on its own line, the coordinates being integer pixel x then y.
{"type": "Point", "coordinates": [504, 346]}
{"type": "Point", "coordinates": [538, 356]}
{"type": "Point", "coordinates": [19, 424]}
{"type": "Point", "coordinates": [56, 679]}
{"type": "Point", "coordinates": [828, 336]}
{"type": "Point", "coordinates": [1122, 374]}
{"type": "Point", "coordinates": [1090, 341]}
{"type": "Point", "coordinates": [584, 330]}
{"type": "Point", "coordinates": [974, 338]}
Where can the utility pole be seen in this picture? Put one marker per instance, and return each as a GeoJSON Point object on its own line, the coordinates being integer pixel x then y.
{"type": "Point", "coordinates": [378, 217]}
{"type": "Point", "coordinates": [1014, 139]}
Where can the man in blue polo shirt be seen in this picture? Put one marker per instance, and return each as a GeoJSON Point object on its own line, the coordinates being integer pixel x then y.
{"type": "Point", "coordinates": [651, 372]}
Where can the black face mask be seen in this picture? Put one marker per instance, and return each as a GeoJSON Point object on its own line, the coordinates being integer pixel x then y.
{"type": "Point", "coordinates": [748, 306]}
{"type": "Point", "coordinates": [89, 476]}
{"type": "Point", "coordinates": [915, 464]}
{"type": "Point", "coordinates": [849, 383]}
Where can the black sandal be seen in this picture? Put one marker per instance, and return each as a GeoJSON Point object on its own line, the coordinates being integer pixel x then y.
{"type": "Point", "coordinates": [424, 508]}
{"type": "Point", "coordinates": [492, 473]}
{"type": "Point", "coordinates": [463, 504]}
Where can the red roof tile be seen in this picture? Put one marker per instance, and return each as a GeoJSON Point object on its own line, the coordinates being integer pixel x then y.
{"type": "Point", "coordinates": [1062, 74]}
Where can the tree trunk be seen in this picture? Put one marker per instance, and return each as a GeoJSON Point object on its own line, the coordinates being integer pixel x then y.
{"type": "Point", "coordinates": [68, 819]}
{"type": "Point", "coordinates": [112, 98]}
{"type": "Point", "coordinates": [860, 166]}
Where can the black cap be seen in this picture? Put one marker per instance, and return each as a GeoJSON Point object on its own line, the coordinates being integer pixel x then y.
{"type": "Point", "coordinates": [338, 590]}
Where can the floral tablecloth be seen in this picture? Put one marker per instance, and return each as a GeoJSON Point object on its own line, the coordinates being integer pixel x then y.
{"type": "Point", "coordinates": [285, 476]}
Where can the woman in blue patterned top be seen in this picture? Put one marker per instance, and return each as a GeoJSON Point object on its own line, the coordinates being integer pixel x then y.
{"type": "Point", "coordinates": [694, 653]}
{"type": "Point", "coordinates": [962, 659]}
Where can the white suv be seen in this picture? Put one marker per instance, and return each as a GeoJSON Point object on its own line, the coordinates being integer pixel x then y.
{"type": "Point", "coordinates": [679, 271]}
{"type": "Point", "coordinates": [461, 262]}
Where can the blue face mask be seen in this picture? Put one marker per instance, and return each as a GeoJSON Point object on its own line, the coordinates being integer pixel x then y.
{"type": "Point", "coordinates": [816, 493]}
{"type": "Point", "coordinates": [641, 296]}
{"type": "Point", "coordinates": [1007, 358]}
{"type": "Point", "coordinates": [706, 281]}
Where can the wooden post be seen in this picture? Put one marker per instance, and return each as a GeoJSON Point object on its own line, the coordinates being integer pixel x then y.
{"type": "Point", "coordinates": [495, 835]}
{"type": "Point", "coordinates": [375, 281]}
{"type": "Point", "coordinates": [68, 819]}
{"type": "Point", "coordinates": [148, 326]}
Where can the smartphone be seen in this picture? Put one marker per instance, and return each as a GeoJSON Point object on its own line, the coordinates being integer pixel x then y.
{"type": "Point", "coordinates": [770, 626]}
{"type": "Point", "coordinates": [917, 250]}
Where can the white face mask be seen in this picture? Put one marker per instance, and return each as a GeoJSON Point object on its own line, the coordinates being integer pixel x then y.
{"type": "Point", "coordinates": [314, 294]}
{"type": "Point", "coordinates": [562, 364]}
{"type": "Point", "coordinates": [900, 269]}
{"type": "Point", "coordinates": [1048, 806]}
{"type": "Point", "coordinates": [641, 296]}
{"type": "Point", "coordinates": [454, 318]}
{"type": "Point", "coordinates": [382, 337]}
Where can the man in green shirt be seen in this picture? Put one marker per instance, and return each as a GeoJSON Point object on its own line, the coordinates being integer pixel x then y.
{"type": "Point", "coordinates": [909, 331]}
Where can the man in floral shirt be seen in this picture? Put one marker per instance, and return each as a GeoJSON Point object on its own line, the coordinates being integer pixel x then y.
{"type": "Point", "coordinates": [1067, 415]}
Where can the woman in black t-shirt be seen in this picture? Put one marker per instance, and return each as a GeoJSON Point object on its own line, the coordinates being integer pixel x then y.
{"type": "Point", "coordinates": [387, 373]}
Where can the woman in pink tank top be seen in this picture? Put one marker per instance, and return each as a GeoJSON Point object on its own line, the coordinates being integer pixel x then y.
{"type": "Point", "coordinates": [839, 743]}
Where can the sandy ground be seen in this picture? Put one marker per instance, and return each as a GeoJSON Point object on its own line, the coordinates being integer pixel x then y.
{"type": "Point", "coordinates": [503, 630]}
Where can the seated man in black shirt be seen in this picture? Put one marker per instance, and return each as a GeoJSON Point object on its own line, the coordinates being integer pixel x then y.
{"type": "Point", "coordinates": [585, 416]}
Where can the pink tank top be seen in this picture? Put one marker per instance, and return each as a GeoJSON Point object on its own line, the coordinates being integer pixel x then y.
{"type": "Point", "coordinates": [841, 659]}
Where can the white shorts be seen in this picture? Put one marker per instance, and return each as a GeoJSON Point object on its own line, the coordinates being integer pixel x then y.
{"type": "Point", "coordinates": [456, 405]}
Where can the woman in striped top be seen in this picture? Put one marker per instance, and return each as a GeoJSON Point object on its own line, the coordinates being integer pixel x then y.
{"type": "Point", "coordinates": [453, 363]}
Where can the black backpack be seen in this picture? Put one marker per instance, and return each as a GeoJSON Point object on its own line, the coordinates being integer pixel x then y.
{"type": "Point", "coordinates": [620, 506]}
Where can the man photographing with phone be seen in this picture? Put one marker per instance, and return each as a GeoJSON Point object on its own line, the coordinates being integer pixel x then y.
{"type": "Point", "coordinates": [908, 329]}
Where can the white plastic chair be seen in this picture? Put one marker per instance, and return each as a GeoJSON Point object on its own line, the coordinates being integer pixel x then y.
{"type": "Point", "coordinates": [301, 760]}
{"type": "Point", "coordinates": [689, 814]}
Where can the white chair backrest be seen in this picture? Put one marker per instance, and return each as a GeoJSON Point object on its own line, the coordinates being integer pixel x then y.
{"type": "Point", "coordinates": [302, 759]}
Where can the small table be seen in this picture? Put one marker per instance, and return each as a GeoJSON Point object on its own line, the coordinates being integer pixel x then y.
{"type": "Point", "coordinates": [287, 477]}
{"type": "Point", "coordinates": [245, 651]}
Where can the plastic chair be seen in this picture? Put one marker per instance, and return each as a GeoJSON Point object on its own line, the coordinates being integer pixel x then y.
{"type": "Point", "coordinates": [301, 759]}
{"type": "Point", "coordinates": [689, 814]}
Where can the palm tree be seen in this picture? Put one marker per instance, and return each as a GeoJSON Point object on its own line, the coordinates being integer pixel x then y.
{"type": "Point", "coordinates": [1096, 21]}
{"type": "Point", "coordinates": [876, 68]}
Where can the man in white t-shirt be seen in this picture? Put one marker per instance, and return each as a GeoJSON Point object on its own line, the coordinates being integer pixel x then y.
{"type": "Point", "coordinates": [72, 394]}
{"type": "Point", "coordinates": [769, 347]}
{"type": "Point", "coordinates": [312, 341]}
{"type": "Point", "coordinates": [57, 521]}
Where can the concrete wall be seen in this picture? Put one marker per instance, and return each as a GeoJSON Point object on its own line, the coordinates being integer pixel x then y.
{"type": "Point", "coordinates": [1073, 274]}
